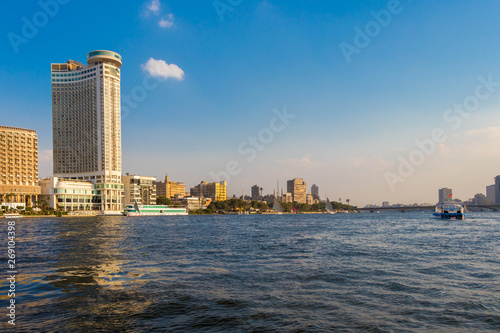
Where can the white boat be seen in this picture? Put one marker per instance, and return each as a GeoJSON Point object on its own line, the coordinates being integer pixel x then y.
{"type": "Point", "coordinates": [277, 207]}
{"type": "Point", "coordinates": [329, 207]}
{"type": "Point", "coordinates": [152, 210]}
{"type": "Point", "coordinates": [450, 210]}
{"type": "Point", "coordinates": [12, 216]}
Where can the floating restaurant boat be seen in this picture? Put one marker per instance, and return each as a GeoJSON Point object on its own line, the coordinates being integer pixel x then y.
{"type": "Point", "coordinates": [450, 210]}
{"type": "Point", "coordinates": [152, 210]}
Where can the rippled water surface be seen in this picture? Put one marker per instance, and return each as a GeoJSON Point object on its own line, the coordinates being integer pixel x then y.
{"type": "Point", "coordinates": [389, 272]}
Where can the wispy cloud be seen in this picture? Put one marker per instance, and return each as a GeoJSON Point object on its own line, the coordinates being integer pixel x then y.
{"type": "Point", "coordinates": [167, 21]}
{"type": "Point", "coordinates": [304, 162]}
{"type": "Point", "coordinates": [153, 7]}
{"type": "Point", "coordinates": [159, 68]}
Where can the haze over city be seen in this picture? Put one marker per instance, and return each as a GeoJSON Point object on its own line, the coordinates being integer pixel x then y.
{"type": "Point", "coordinates": [372, 101]}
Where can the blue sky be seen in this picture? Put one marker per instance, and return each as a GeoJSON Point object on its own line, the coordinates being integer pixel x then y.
{"type": "Point", "coordinates": [355, 121]}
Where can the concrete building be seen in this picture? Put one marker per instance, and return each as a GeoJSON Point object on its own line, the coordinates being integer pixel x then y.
{"type": "Point", "coordinates": [297, 188]}
{"type": "Point", "coordinates": [490, 194]}
{"type": "Point", "coordinates": [445, 194]}
{"type": "Point", "coordinates": [194, 203]}
{"type": "Point", "coordinates": [497, 190]}
{"type": "Point", "coordinates": [315, 192]}
{"type": "Point", "coordinates": [170, 189]}
{"type": "Point", "coordinates": [18, 167]}
{"type": "Point", "coordinates": [256, 193]}
{"type": "Point", "coordinates": [385, 204]}
{"type": "Point", "coordinates": [309, 199]}
{"type": "Point", "coordinates": [69, 194]}
{"type": "Point", "coordinates": [214, 191]}
{"type": "Point", "coordinates": [86, 125]}
{"type": "Point", "coordinates": [139, 189]}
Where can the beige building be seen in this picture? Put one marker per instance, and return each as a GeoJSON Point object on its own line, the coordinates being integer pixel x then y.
{"type": "Point", "coordinates": [214, 191]}
{"type": "Point", "coordinates": [18, 167]}
{"type": "Point", "coordinates": [170, 189]}
{"type": "Point", "coordinates": [139, 188]}
{"type": "Point", "coordinates": [297, 187]}
{"type": "Point", "coordinates": [86, 125]}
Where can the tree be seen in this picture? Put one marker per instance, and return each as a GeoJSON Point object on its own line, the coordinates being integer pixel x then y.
{"type": "Point", "coordinates": [163, 200]}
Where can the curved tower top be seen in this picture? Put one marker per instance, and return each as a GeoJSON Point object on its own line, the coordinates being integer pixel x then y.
{"type": "Point", "coordinates": [103, 55]}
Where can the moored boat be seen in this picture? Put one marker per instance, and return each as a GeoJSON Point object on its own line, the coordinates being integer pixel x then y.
{"type": "Point", "coordinates": [153, 210]}
{"type": "Point", "coordinates": [12, 216]}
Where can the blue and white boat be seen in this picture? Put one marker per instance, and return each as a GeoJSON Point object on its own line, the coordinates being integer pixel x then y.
{"type": "Point", "coordinates": [450, 210]}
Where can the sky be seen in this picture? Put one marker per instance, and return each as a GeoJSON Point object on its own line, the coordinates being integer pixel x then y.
{"type": "Point", "coordinates": [371, 100]}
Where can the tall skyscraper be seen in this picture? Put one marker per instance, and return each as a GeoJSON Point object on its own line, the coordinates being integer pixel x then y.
{"type": "Point", "coordinates": [297, 188]}
{"type": "Point", "coordinates": [86, 125]}
{"type": "Point", "coordinates": [445, 194]}
{"type": "Point", "coordinates": [18, 167]}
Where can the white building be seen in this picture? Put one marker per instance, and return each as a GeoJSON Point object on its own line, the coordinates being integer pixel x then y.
{"type": "Point", "coordinates": [86, 125]}
{"type": "Point", "coordinates": [69, 194]}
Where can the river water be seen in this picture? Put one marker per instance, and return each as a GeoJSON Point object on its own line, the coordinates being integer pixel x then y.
{"type": "Point", "coordinates": [389, 272]}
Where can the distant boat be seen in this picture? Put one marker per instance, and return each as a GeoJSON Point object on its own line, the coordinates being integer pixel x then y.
{"type": "Point", "coordinates": [277, 207]}
{"type": "Point", "coordinates": [12, 216]}
{"type": "Point", "coordinates": [329, 208]}
{"type": "Point", "coordinates": [450, 210]}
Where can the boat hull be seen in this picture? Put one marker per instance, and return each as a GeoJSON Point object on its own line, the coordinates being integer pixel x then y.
{"type": "Point", "coordinates": [450, 216]}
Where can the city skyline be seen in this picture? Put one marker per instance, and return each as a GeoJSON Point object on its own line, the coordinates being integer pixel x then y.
{"type": "Point", "coordinates": [265, 90]}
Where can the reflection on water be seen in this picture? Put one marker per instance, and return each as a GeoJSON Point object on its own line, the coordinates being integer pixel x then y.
{"type": "Point", "coordinates": [384, 272]}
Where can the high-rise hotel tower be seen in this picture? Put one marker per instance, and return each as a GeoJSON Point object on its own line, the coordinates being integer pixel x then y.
{"type": "Point", "coordinates": [86, 125]}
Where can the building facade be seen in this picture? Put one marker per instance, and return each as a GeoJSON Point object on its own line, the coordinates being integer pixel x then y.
{"type": "Point", "coordinates": [497, 190]}
{"type": "Point", "coordinates": [18, 167]}
{"type": "Point", "coordinates": [315, 192]}
{"type": "Point", "coordinates": [490, 193]}
{"type": "Point", "coordinates": [86, 125]}
{"type": "Point", "coordinates": [214, 191]}
{"type": "Point", "coordinates": [170, 189]}
{"type": "Point", "coordinates": [69, 194]}
{"type": "Point", "coordinates": [297, 188]}
{"type": "Point", "coordinates": [445, 194]}
{"type": "Point", "coordinates": [139, 189]}
{"type": "Point", "coordinates": [256, 193]}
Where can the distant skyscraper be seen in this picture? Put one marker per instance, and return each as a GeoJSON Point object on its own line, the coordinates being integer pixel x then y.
{"type": "Point", "coordinates": [297, 188]}
{"type": "Point", "coordinates": [490, 193]}
{"type": "Point", "coordinates": [497, 190]}
{"type": "Point", "coordinates": [86, 125]}
{"type": "Point", "coordinates": [256, 193]}
{"type": "Point", "coordinates": [445, 194]}
{"type": "Point", "coordinates": [315, 192]}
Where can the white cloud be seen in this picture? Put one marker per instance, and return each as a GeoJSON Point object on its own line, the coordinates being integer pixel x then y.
{"type": "Point", "coordinates": [167, 21]}
{"type": "Point", "coordinates": [159, 68]}
{"type": "Point", "coordinates": [153, 7]}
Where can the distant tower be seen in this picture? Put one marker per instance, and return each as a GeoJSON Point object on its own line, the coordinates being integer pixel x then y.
{"type": "Point", "coordinates": [445, 194]}
{"type": "Point", "coordinates": [315, 192]}
{"type": "Point", "coordinates": [497, 190]}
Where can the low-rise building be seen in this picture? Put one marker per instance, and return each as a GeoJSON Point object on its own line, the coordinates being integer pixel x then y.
{"type": "Point", "coordinates": [214, 191]}
{"type": "Point", "coordinates": [69, 194]}
{"type": "Point", "coordinates": [170, 189]}
{"type": "Point", "coordinates": [140, 189]}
